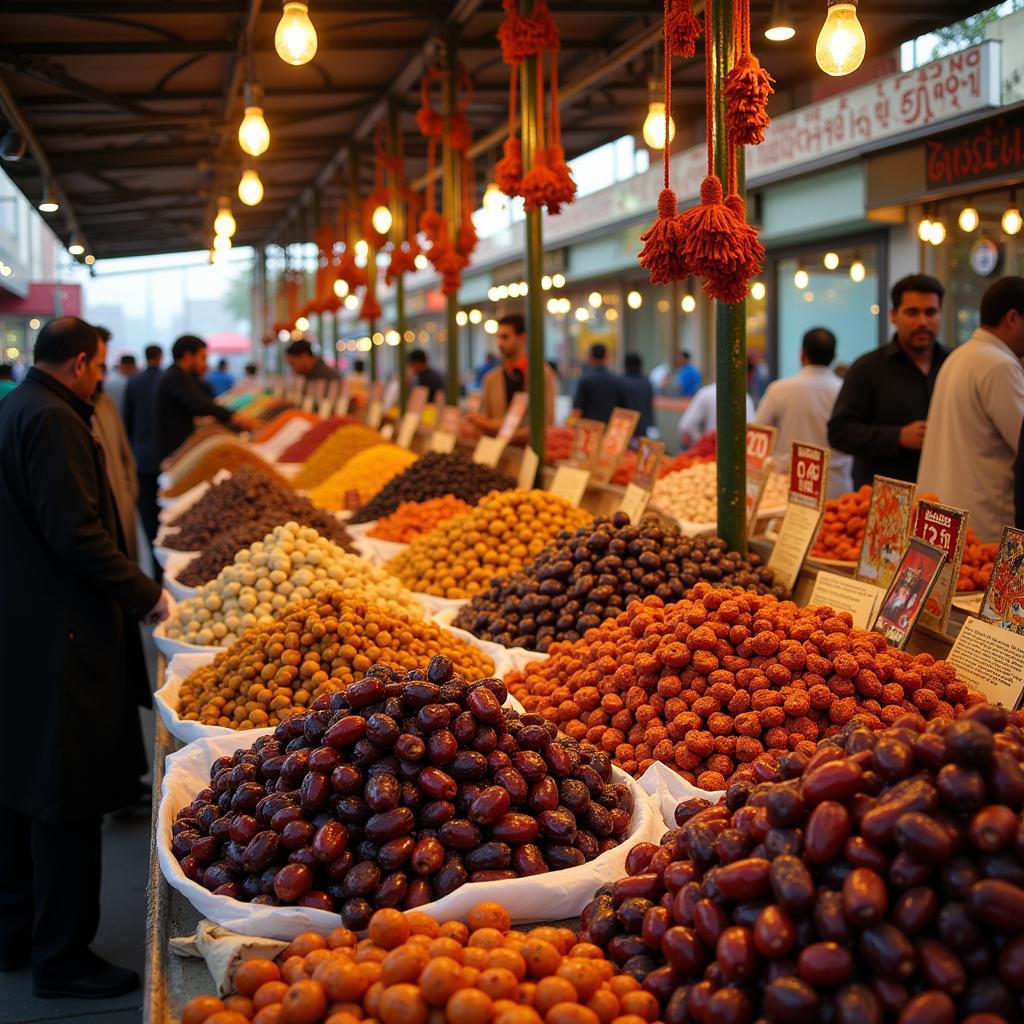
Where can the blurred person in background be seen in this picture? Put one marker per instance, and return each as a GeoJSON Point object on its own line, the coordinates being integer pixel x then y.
{"type": "Point", "coordinates": [701, 416]}
{"type": "Point", "coordinates": [305, 363]}
{"type": "Point", "coordinates": [116, 381]}
{"type": "Point", "coordinates": [139, 403]}
{"type": "Point", "coordinates": [598, 390]}
{"type": "Point", "coordinates": [638, 394]}
{"type": "Point", "coordinates": [7, 382]}
{"type": "Point", "coordinates": [221, 379]}
{"type": "Point", "coordinates": [688, 378]}
{"type": "Point", "coordinates": [108, 428]}
{"type": "Point", "coordinates": [251, 371]}
{"type": "Point", "coordinates": [422, 374]}
{"type": "Point", "coordinates": [490, 362]}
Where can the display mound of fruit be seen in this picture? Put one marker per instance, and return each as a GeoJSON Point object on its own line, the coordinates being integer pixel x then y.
{"type": "Point", "coordinates": [879, 879]}
{"type": "Point", "coordinates": [579, 580]}
{"type": "Point", "coordinates": [395, 793]}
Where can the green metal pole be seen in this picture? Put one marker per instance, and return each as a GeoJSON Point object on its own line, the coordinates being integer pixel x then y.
{"type": "Point", "coordinates": [730, 331]}
{"type": "Point", "coordinates": [536, 378]}
{"type": "Point", "coordinates": [398, 233]}
{"type": "Point", "coordinates": [451, 201]}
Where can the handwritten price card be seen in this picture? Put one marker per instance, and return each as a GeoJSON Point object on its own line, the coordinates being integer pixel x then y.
{"type": "Point", "coordinates": [414, 413]}
{"type": "Point", "coordinates": [990, 659]}
{"type": "Point", "coordinates": [621, 428]}
{"type": "Point", "coordinates": [443, 440]}
{"type": "Point", "coordinates": [946, 528]}
{"type": "Point", "coordinates": [344, 398]}
{"type": "Point", "coordinates": [488, 451]}
{"type": "Point", "coordinates": [887, 530]}
{"type": "Point", "coordinates": [528, 469]}
{"type": "Point", "coordinates": [570, 482]}
{"type": "Point", "coordinates": [808, 473]}
{"type": "Point", "coordinates": [638, 490]}
{"type": "Point", "coordinates": [326, 408]}
{"type": "Point", "coordinates": [514, 415]}
{"type": "Point", "coordinates": [585, 443]}
{"type": "Point", "coordinates": [391, 393]}
{"type": "Point", "coordinates": [760, 445]}
{"type": "Point", "coordinates": [375, 410]}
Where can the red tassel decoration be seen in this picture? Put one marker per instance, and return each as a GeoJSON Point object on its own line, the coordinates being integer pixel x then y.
{"type": "Point", "coordinates": [564, 191]}
{"type": "Point", "coordinates": [682, 29]}
{"type": "Point", "coordinates": [663, 253]}
{"type": "Point", "coordinates": [403, 261]}
{"type": "Point", "coordinates": [349, 272]}
{"type": "Point", "coordinates": [508, 172]}
{"type": "Point", "coordinates": [370, 309]}
{"type": "Point", "coordinates": [747, 86]}
{"type": "Point", "coordinates": [428, 120]}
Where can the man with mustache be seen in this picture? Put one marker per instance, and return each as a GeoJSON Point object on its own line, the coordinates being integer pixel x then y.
{"type": "Point", "coordinates": [880, 415]}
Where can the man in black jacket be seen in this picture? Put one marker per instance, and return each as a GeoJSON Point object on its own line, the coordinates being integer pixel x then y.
{"type": "Point", "coordinates": [181, 397]}
{"type": "Point", "coordinates": [69, 599]}
{"type": "Point", "coordinates": [880, 414]}
{"type": "Point", "coordinates": [140, 422]}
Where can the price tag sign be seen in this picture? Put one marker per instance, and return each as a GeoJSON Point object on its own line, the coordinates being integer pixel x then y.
{"type": "Point", "coordinates": [621, 428]}
{"type": "Point", "coordinates": [760, 445]}
{"type": "Point", "coordinates": [946, 528]}
{"type": "Point", "coordinates": [308, 402]}
{"type": "Point", "coordinates": [443, 439]}
{"type": "Point", "coordinates": [808, 473]}
{"type": "Point", "coordinates": [570, 482]}
{"type": "Point", "coordinates": [638, 490]}
{"type": "Point", "coordinates": [391, 393]}
{"type": "Point", "coordinates": [474, 402]}
{"type": "Point", "coordinates": [514, 415]}
{"type": "Point", "coordinates": [1003, 603]}
{"type": "Point", "coordinates": [488, 451]}
{"type": "Point", "coordinates": [585, 443]}
{"type": "Point", "coordinates": [991, 660]}
{"type": "Point", "coordinates": [846, 594]}
{"type": "Point", "coordinates": [387, 431]}
{"type": "Point", "coordinates": [294, 389]}
{"type": "Point", "coordinates": [887, 530]}
{"type": "Point", "coordinates": [375, 410]}
{"type": "Point", "coordinates": [908, 593]}
{"type": "Point", "coordinates": [326, 408]}
{"type": "Point", "coordinates": [528, 469]}
{"type": "Point", "coordinates": [411, 420]}
{"type": "Point", "coordinates": [344, 398]}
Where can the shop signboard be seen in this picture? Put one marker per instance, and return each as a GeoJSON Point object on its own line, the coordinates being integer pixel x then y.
{"type": "Point", "coordinates": [990, 151]}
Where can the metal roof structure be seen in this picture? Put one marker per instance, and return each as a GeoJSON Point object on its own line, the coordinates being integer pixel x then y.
{"type": "Point", "coordinates": [131, 107]}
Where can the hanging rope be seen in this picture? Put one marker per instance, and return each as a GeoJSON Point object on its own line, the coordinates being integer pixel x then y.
{"type": "Point", "coordinates": [747, 86]}
{"type": "Point", "coordinates": [662, 252]}
{"type": "Point", "coordinates": [682, 29]}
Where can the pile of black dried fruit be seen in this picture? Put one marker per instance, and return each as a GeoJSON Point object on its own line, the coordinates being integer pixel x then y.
{"type": "Point", "coordinates": [248, 496]}
{"type": "Point", "coordinates": [394, 793]}
{"type": "Point", "coordinates": [880, 880]}
{"type": "Point", "coordinates": [591, 575]}
{"type": "Point", "coordinates": [433, 476]}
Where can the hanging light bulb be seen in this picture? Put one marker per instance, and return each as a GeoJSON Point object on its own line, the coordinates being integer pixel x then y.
{"type": "Point", "coordinates": [687, 303]}
{"type": "Point", "coordinates": [494, 198]}
{"type": "Point", "coordinates": [462, 318]}
{"type": "Point", "coordinates": [351, 301]}
{"type": "Point", "coordinates": [595, 299]}
{"type": "Point", "coordinates": [654, 126]}
{"type": "Point", "coordinates": [831, 260]}
{"type": "Point", "coordinates": [421, 262]}
{"type": "Point", "coordinates": [758, 291]}
{"type": "Point", "coordinates": [362, 249]}
{"type": "Point", "coordinates": [224, 224]}
{"type": "Point", "coordinates": [801, 279]}
{"type": "Point", "coordinates": [302, 323]}
{"type": "Point", "coordinates": [295, 38]}
{"type": "Point", "coordinates": [924, 229]}
{"type": "Point", "coordinates": [90, 259]}
{"type": "Point", "coordinates": [780, 26]}
{"type": "Point", "coordinates": [221, 243]}
{"type": "Point", "coordinates": [634, 300]}
{"type": "Point", "coordinates": [381, 220]}
{"type": "Point", "coordinates": [1012, 221]}
{"type": "Point", "coordinates": [250, 188]}
{"type": "Point", "coordinates": [969, 219]}
{"type": "Point", "coordinates": [49, 203]}
{"type": "Point", "coordinates": [937, 235]}
{"type": "Point", "coordinates": [341, 288]}
{"type": "Point", "coordinates": [858, 271]}
{"type": "Point", "coordinates": [841, 42]}
{"type": "Point", "coordinates": [253, 133]}
{"type": "Point", "coordinates": [76, 248]}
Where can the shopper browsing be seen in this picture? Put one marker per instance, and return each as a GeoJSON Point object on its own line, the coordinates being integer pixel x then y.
{"type": "Point", "coordinates": [880, 415]}
{"type": "Point", "coordinates": [221, 379]}
{"type": "Point", "coordinates": [116, 382]}
{"type": "Point", "coordinates": [598, 391]}
{"type": "Point", "coordinates": [139, 403]}
{"type": "Point", "coordinates": [422, 374]}
{"type": "Point", "coordinates": [974, 424]}
{"type": "Point", "coordinates": [638, 394]}
{"type": "Point", "coordinates": [688, 378]}
{"type": "Point", "coordinates": [701, 415]}
{"type": "Point", "coordinates": [108, 429]}
{"type": "Point", "coordinates": [181, 398]}
{"type": "Point", "coordinates": [304, 362]}
{"type": "Point", "coordinates": [68, 596]}
{"type": "Point", "coordinates": [799, 407]}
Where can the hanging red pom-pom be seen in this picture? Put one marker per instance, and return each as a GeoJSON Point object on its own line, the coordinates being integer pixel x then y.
{"type": "Point", "coordinates": [431, 224]}
{"type": "Point", "coordinates": [403, 261]}
{"type": "Point", "coordinates": [370, 309]}
{"type": "Point", "coordinates": [540, 183]}
{"type": "Point", "coordinates": [682, 29]}
{"type": "Point", "coordinates": [564, 188]}
{"type": "Point", "coordinates": [508, 172]}
{"type": "Point", "coordinates": [712, 232]}
{"type": "Point", "coordinates": [467, 238]}
{"type": "Point", "coordinates": [349, 271]}
{"type": "Point", "coordinates": [747, 88]}
{"type": "Point", "coordinates": [664, 243]}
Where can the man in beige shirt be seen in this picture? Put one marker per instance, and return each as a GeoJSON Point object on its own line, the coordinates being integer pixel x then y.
{"type": "Point", "coordinates": [974, 422]}
{"type": "Point", "coordinates": [501, 383]}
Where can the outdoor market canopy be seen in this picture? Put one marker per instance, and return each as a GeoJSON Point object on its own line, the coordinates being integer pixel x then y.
{"type": "Point", "coordinates": [135, 104]}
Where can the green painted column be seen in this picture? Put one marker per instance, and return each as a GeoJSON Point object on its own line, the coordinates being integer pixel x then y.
{"type": "Point", "coordinates": [398, 233]}
{"type": "Point", "coordinates": [536, 381]}
{"type": "Point", "coordinates": [730, 330]}
{"type": "Point", "coordinates": [451, 205]}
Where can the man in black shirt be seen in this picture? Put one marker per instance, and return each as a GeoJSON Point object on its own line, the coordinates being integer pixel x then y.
{"type": "Point", "coordinates": [423, 375]}
{"type": "Point", "coordinates": [879, 417]}
{"type": "Point", "coordinates": [139, 421]}
{"type": "Point", "coordinates": [181, 398]}
{"type": "Point", "coordinates": [305, 363]}
{"type": "Point", "coordinates": [638, 393]}
{"type": "Point", "coordinates": [599, 390]}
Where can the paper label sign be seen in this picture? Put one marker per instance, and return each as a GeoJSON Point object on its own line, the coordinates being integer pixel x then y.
{"type": "Point", "coordinates": [648, 463]}
{"type": "Point", "coordinates": [991, 660]}
{"type": "Point", "coordinates": [760, 446]}
{"type": "Point", "coordinates": [488, 451]}
{"type": "Point", "coordinates": [387, 431]}
{"type": "Point", "coordinates": [344, 398]}
{"type": "Point", "coordinates": [308, 402]}
{"type": "Point", "coordinates": [621, 428]}
{"type": "Point", "coordinates": [326, 408]}
{"type": "Point", "coordinates": [808, 473]}
{"type": "Point", "coordinates": [443, 439]}
{"type": "Point", "coordinates": [514, 415]}
{"type": "Point", "coordinates": [945, 527]}
{"type": "Point", "coordinates": [887, 530]}
{"type": "Point", "coordinates": [375, 410]}
{"type": "Point", "coordinates": [908, 593]}
{"type": "Point", "coordinates": [418, 398]}
{"type": "Point", "coordinates": [570, 482]}
{"type": "Point", "coordinates": [411, 420]}
{"type": "Point", "coordinates": [391, 393]}
{"type": "Point", "coordinates": [1003, 602]}
{"type": "Point", "coordinates": [846, 594]}
{"type": "Point", "coordinates": [585, 443]}
{"type": "Point", "coordinates": [442, 442]}
{"type": "Point", "coordinates": [634, 502]}
{"type": "Point", "coordinates": [799, 528]}
{"type": "Point", "coordinates": [473, 402]}
{"type": "Point", "coordinates": [528, 469]}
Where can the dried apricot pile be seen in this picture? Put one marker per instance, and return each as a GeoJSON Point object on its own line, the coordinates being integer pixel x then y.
{"type": "Point", "coordinates": [712, 683]}
{"type": "Point", "coordinates": [842, 526]}
{"type": "Point", "coordinates": [412, 519]}
{"type": "Point", "coordinates": [412, 970]}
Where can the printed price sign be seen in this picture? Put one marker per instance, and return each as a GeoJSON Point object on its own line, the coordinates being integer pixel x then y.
{"type": "Point", "coordinates": [808, 474]}
{"type": "Point", "coordinates": [344, 398]}
{"type": "Point", "coordinates": [846, 594]}
{"type": "Point", "coordinates": [528, 469]}
{"type": "Point", "coordinates": [760, 446]}
{"type": "Point", "coordinates": [447, 431]}
{"type": "Point", "coordinates": [621, 428]}
{"type": "Point", "coordinates": [308, 402]}
{"type": "Point", "coordinates": [638, 490]}
{"type": "Point", "coordinates": [514, 415]}
{"type": "Point", "coordinates": [570, 482]}
{"type": "Point", "coordinates": [488, 451]}
{"type": "Point", "coordinates": [945, 527]}
{"type": "Point", "coordinates": [991, 660]}
{"type": "Point", "coordinates": [375, 410]}
{"type": "Point", "coordinates": [908, 593]}
{"type": "Point", "coordinates": [887, 530]}
{"type": "Point", "coordinates": [391, 393]}
{"type": "Point", "coordinates": [585, 442]}
{"type": "Point", "coordinates": [411, 420]}
{"type": "Point", "coordinates": [1003, 602]}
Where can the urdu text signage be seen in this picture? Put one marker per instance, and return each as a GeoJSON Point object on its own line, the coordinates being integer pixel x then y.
{"type": "Point", "coordinates": [992, 149]}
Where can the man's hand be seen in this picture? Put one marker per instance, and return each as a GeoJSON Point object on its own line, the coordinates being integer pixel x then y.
{"type": "Point", "coordinates": [159, 611]}
{"type": "Point", "coordinates": [246, 422]}
{"type": "Point", "coordinates": [912, 435]}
